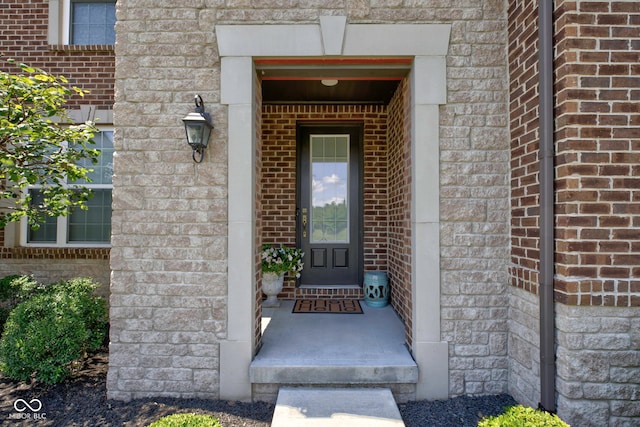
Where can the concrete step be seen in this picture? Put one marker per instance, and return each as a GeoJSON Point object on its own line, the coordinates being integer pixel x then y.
{"type": "Point", "coordinates": [329, 407]}
{"type": "Point", "coordinates": [330, 349]}
{"type": "Point", "coordinates": [339, 372]}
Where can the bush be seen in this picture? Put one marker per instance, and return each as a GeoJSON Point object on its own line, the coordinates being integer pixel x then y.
{"type": "Point", "coordinates": [186, 420]}
{"type": "Point", "coordinates": [522, 416]}
{"type": "Point", "coordinates": [13, 290]}
{"type": "Point", "coordinates": [48, 331]}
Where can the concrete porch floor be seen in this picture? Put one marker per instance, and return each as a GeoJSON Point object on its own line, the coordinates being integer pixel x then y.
{"type": "Point", "coordinates": [332, 349]}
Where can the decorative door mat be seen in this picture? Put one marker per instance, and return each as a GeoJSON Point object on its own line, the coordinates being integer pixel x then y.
{"type": "Point", "coordinates": [345, 306]}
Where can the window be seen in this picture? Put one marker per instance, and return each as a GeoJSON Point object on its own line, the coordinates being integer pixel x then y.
{"type": "Point", "coordinates": [91, 227]}
{"type": "Point", "coordinates": [93, 22]}
{"type": "Point", "coordinates": [82, 22]}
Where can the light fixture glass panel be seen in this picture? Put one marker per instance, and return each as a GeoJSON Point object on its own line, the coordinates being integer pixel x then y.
{"type": "Point", "coordinates": [194, 133]}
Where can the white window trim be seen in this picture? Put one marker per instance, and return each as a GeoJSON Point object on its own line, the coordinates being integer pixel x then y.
{"type": "Point", "coordinates": [59, 14]}
{"type": "Point", "coordinates": [62, 221]}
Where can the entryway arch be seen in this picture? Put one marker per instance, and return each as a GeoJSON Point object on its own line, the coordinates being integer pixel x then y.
{"type": "Point", "coordinates": [426, 44]}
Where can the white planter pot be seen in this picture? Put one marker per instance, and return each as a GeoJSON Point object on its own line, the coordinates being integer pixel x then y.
{"type": "Point", "coordinates": [272, 286]}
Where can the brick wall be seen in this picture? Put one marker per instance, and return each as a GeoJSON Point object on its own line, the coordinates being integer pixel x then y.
{"type": "Point", "coordinates": [48, 265]}
{"type": "Point", "coordinates": [598, 153]}
{"type": "Point", "coordinates": [278, 181]}
{"type": "Point", "coordinates": [597, 209]}
{"type": "Point", "coordinates": [257, 320]}
{"type": "Point", "coordinates": [524, 310]}
{"type": "Point", "coordinates": [523, 118]}
{"type": "Point", "coordinates": [23, 38]}
{"type": "Point", "coordinates": [399, 206]}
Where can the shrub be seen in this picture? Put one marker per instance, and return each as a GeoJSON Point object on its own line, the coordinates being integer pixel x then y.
{"type": "Point", "coordinates": [48, 331]}
{"type": "Point", "coordinates": [186, 420]}
{"type": "Point", "coordinates": [13, 290]}
{"type": "Point", "coordinates": [522, 416]}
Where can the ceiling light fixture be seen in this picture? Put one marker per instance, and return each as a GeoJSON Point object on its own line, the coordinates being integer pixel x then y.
{"type": "Point", "coordinates": [329, 82]}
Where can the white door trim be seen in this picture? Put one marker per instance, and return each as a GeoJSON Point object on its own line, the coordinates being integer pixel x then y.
{"type": "Point", "coordinates": [427, 44]}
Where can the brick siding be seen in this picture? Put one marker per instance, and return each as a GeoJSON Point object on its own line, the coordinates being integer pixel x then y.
{"type": "Point", "coordinates": [597, 209]}
{"type": "Point", "coordinates": [398, 205]}
{"type": "Point", "coordinates": [523, 118]}
{"type": "Point", "coordinates": [386, 192]}
{"type": "Point", "coordinates": [24, 38]}
{"type": "Point", "coordinates": [170, 224]}
{"type": "Point", "coordinates": [598, 153]}
{"type": "Point", "coordinates": [278, 183]}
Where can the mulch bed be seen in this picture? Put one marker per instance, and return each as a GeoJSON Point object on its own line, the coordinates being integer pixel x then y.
{"type": "Point", "coordinates": [82, 401]}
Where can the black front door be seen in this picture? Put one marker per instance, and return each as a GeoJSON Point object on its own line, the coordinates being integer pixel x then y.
{"type": "Point", "coordinates": [329, 210]}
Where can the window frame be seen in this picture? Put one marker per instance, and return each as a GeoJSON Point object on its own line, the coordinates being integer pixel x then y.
{"type": "Point", "coordinates": [62, 222]}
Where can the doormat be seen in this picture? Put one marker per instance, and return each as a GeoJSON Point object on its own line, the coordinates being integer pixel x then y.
{"type": "Point", "coordinates": [345, 306]}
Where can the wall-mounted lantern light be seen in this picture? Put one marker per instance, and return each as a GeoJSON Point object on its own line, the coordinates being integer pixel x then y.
{"type": "Point", "coordinates": [198, 127]}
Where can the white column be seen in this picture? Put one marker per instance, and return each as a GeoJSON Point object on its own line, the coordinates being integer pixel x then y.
{"type": "Point", "coordinates": [428, 85]}
{"type": "Point", "coordinates": [236, 352]}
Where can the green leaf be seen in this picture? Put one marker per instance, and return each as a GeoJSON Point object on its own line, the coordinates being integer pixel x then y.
{"type": "Point", "coordinates": [31, 144]}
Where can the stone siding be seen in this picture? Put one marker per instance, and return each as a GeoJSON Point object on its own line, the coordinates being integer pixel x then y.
{"type": "Point", "coordinates": [170, 218]}
{"type": "Point", "coordinates": [474, 213]}
{"type": "Point", "coordinates": [170, 226]}
{"type": "Point", "coordinates": [598, 360]}
{"type": "Point", "coordinates": [524, 347]}
{"type": "Point", "coordinates": [48, 265]}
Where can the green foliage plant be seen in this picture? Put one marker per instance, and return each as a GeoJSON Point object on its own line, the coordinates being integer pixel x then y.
{"type": "Point", "coordinates": [282, 260]}
{"type": "Point", "coordinates": [40, 145]}
{"type": "Point", "coordinates": [186, 420]}
{"type": "Point", "coordinates": [13, 290]}
{"type": "Point", "coordinates": [53, 328]}
{"type": "Point", "coordinates": [523, 416]}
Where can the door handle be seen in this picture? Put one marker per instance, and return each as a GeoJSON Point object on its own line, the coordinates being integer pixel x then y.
{"type": "Point", "coordinates": [304, 222]}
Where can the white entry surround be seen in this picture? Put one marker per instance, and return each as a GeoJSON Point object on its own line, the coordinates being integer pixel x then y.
{"type": "Point", "coordinates": [238, 45]}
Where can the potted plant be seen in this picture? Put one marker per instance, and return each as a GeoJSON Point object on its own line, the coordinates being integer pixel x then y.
{"type": "Point", "coordinates": [276, 261]}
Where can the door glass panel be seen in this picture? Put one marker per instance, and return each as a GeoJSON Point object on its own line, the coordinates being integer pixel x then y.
{"type": "Point", "coordinates": [329, 189]}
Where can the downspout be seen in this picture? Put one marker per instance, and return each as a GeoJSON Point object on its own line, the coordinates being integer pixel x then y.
{"type": "Point", "coordinates": [547, 316]}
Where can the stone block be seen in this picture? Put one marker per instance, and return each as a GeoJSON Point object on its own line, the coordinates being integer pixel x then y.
{"type": "Point", "coordinates": [587, 366]}
{"type": "Point", "coordinates": [169, 374]}
{"type": "Point", "coordinates": [182, 319]}
{"type": "Point", "coordinates": [606, 341]}
{"type": "Point", "coordinates": [625, 408]}
{"type": "Point", "coordinates": [583, 413]}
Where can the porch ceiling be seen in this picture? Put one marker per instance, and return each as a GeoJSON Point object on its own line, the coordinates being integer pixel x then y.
{"type": "Point", "coordinates": [360, 81]}
{"type": "Point", "coordinates": [313, 91]}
